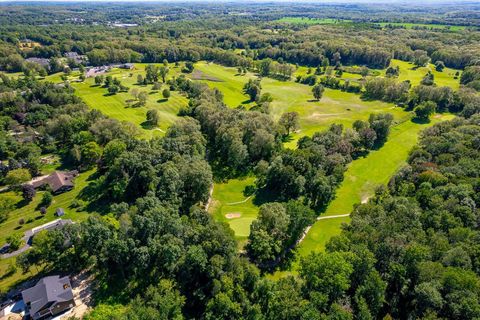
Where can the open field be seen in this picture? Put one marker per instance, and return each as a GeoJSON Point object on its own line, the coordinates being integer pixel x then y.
{"type": "Point", "coordinates": [362, 177]}
{"type": "Point", "coordinates": [421, 25]}
{"type": "Point", "coordinates": [335, 106]}
{"type": "Point", "coordinates": [115, 106]}
{"type": "Point", "coordinates": [409, 72]}
{"type": "Point", "coordinates": [230, 205]}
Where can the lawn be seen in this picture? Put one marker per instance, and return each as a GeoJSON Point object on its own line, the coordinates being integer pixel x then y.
{"type": "Point", "coordinates": [33, 218]}
{"type": "Point", "coordinates": [362, 177]}
{"type": "Point", "coordinates": [229, 199]}
{"type": "Point", "coordinates": [422, 25]}
{"type": "Point", "coordinates": [335, 106]}
{"type": "Point", "coordinates": [409, 72]}
{"type": "Point", "coordinates": [115, 106]}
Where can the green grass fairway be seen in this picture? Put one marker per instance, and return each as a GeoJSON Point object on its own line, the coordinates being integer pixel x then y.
{"type": "Point", "coordinates": [115, 106]}
{"type": "Point", "coordinates": [422, 25]}
{"type": "Point", "coordinates": [361, 179]}
{"type": "Point", "coordinates": [335, 106]}
{"type": "Point", "coordinates": [228, 198]}
{"type": "Point", "coordinates": [304, 20]}
{"type": "Point", "coordinates": [224, 79]}
{"type": "Point", "coordinates": [415, 75]}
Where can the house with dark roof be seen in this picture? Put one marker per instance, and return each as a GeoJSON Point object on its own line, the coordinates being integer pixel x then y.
{"type": "Point", "coordinates": [49, 297]}
{"type": "Point", "coordinates": [58, 181]}
{"type": "Point", "coordinates": [78, 58]}
{"type": "Point", "coordinates": [41, 61]}
{"type": "Point", "coordinates": [129, 66]}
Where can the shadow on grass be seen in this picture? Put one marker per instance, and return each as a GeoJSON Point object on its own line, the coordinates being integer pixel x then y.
{"type": "Point", "coordinates": [288, 138]}
{"type": "Point", "coordinates": [420, 121]}
{"type": "Point", "coordinates": [93, 193]}
{"type": "Point", "coordinates": [162, 100]}
{"type": "Point", "coordinates": [313, 100]}
{"type": "Point", "coordinates": [22, 203]}
{"type": "Point", "coordinates": [147, 125]}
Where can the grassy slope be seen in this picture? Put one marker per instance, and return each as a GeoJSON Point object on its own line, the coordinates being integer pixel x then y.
{"type": "Point", "coordinates": [335, 106]}
{"type": "Point", "coordinates": [415, 75]}
{"type": "Point", "coordinates": [361, 179]}
{"type": "Point", "coordinates": [28, 212]}
{"type": "Point", "coordinates": [115, 106]}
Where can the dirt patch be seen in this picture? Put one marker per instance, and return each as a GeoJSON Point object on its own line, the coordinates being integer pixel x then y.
{"type": "Point", "coordinates": [82, 293]}
{"type": "Point", "coordinates": [365, 199]}
{"type": "Point", "coordinates": [199, 75]}
{"type": "Point", "coordinates": [233, 215]}
{"type": "Point", "coordinates": [317, 115]}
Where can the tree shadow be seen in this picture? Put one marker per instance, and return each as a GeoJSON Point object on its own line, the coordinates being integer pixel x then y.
{"type": "Point", "coordinates": [263, 196]}
{"type": "Point", "coordinates": [22, 203]}
{"type": "Point", "coordinates": [162, 100]}
{"type": "Point", "coordinates": [420, 121]}
{"type": "Point", "coordinates": [147, 125]}
{"type": "Point", "coordinates": [288, 138]}
{"type": "Point", "coordinates": [313, 100]}
{"type": "Point", "coordinates": [247, 101]}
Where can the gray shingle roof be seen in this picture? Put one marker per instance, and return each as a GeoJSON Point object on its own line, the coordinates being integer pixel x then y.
{"type": "Point", "coordinates": [48, 290]}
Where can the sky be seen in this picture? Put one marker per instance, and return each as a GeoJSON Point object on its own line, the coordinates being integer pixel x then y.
{"type": "Point", "coordinates": [315, 1]}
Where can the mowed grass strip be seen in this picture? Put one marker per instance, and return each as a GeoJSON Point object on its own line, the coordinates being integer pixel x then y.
{"type": "Point", "coordinates": [362, 177]}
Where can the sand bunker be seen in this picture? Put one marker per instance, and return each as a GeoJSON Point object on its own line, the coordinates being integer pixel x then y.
{"type": "Point", "coordinates": [233, 215]}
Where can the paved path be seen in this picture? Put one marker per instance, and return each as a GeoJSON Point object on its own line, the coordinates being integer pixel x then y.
{"type": "Point", "coordinates": [321, 218]}
{"type": "Point", "coordinates": [239, 202]}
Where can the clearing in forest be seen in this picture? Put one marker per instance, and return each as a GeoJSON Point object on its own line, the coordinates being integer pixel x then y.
{"type": "Point", "coordinates": [230, 204]}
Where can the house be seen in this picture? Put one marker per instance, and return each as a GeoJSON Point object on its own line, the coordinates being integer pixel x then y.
{"type": "Point", "coordinates": [59, 181]}
{"type": "Point", "coordinates": [49, 297]}
{"type": "Point", "coordinates": [75, 57]}
{"type": "Point", "coordinates": [128, 66]}
{"type": "Point", "coordinates": [95, 71]}
{"type": "Point", "coordinates": [41, 61]}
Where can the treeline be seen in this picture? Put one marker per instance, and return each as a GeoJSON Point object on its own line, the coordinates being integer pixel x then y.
{"type": "Point", "coordinates": [421, 234]}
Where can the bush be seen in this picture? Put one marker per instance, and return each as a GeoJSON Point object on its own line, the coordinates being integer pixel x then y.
{"type": "Point", "coordinates": [28, 192]}
{"type": "Point", "coordinates": [47, 199]}
{"type": "Point", "coordinates": [15, 240]}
